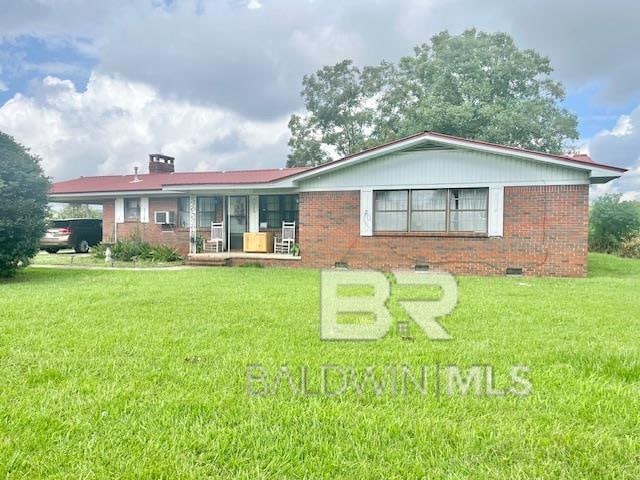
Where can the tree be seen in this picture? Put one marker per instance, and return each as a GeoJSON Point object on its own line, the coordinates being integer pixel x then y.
{"type": "Point", "coordinates": [77, 210]}
{"type": "Point", "coordinates": [23, 205]}
{"type": "Point", "coordinates": [306, 149]}
{"type": "Point", "coordinates": [611, 222]}
{"type": "Point", "coordinates": [340, 117]}
{"type": "Point", "coordinates": [475, 85]}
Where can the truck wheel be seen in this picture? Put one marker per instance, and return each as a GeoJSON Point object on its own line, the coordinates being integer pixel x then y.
{"type": "Point", "coordinates": [51, 250]}
{"type": "Point", "coordinates": [82, 246]}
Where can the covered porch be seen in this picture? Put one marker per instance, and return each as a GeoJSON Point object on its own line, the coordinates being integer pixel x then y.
{"type": "Point", "coordinates": [237, 225]}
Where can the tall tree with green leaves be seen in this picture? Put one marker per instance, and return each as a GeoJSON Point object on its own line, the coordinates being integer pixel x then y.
{"type": "Point", "coordinates": [23, 205]}
{"type": "Point", "coordinates": [474, 85]}
{"type": "Point", "coordinates": [340, 117]}
{"type": "Point", "coordinates": [305, 144]}
{"type": "Point", "coordinates": [77, 210]}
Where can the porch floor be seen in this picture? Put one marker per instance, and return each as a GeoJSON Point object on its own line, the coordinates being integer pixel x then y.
{"type": "Point", "coordinates": [244, 255]}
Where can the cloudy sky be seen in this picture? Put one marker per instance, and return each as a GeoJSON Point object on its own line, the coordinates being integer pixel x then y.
{"type": "Point", "coordinates": [93, 87]}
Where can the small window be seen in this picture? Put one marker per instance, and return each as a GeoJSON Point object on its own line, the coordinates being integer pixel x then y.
{"type": "Point", "coordinates": [132, 209]}
{"type": "Point", "coordinates": [183, 212]}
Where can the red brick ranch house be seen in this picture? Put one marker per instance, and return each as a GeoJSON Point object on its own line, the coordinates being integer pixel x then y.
{"type": "Point", "coordinates": [427, 200]}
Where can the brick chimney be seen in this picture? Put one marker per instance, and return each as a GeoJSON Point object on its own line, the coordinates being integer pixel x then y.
{"type": "Point", "coordinates": [159, 163]}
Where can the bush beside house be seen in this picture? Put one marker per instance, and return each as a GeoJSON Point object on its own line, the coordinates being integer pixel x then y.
{"type": "Point", "coordinates": [134, 249]}
{"type": "Point", "coordinates": [614, 226]}
{"type": "Point", "coordinates": [630, 248]}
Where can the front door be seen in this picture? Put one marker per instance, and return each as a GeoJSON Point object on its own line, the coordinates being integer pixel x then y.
{"type": "Point", "coordinates": [237, 221]}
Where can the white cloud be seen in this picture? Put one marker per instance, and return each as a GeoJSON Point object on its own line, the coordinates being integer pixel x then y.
{"type": "Point", "coordinates": [620, 146]}
{"type": "Point", "coordinates": [623, 127]}
{"type": "Point", "coordinates": [116, 123]}
{"type": "Point", "coordinates": [213, 82]}
{"type": "Point", "coordinates": [251, 60]}
{"type": "Point", "coordinates": [3, 87]}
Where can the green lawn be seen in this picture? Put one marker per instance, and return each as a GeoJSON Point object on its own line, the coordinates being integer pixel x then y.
{"type": "Point", "coordinates": [143, 374]}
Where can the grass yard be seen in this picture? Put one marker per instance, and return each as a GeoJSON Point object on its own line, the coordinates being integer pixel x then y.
{"type": "Point", "coordinates": [143, 374]}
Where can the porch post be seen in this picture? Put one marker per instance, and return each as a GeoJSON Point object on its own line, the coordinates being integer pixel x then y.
{"type": "Point", "coordinates": [228, 223]}
{"type": "Point", "coordinates": [193, 233]}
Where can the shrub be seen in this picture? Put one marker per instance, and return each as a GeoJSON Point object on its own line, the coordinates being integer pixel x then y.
{"type": "Point", "coordinates": [251, 265]}
{"type": "Point", "coordinates": [99, 251]}
{"type": "Point", "coordinates": [630, 248]}
{"type": "Point", "coordinates": [23, 205]}
{"type": "Point", "coordinates": [130, 249]}
{"type": "Point", "coordinates": [611, 222]}
{"type": "Point", "coordinates": [200, 240]}
{"type": "Point", "coordinates": [164, 253]}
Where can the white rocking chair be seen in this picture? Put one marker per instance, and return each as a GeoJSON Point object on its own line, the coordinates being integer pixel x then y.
{"type": "Point", "coordinates": [284, 242]}
{"type": "Point", "coordinates": [216, 242]}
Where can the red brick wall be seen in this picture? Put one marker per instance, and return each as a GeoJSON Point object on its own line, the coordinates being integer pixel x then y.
{"type": "Point", "coordinates": [150, 232]}
{"type": "Point", "coordinates": [108, 220]}
{"type": "Point", "coordinates": [545, 233]}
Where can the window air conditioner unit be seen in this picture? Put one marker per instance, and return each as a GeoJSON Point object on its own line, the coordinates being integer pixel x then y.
{"type": "Point", "coordinates": [165, 218]}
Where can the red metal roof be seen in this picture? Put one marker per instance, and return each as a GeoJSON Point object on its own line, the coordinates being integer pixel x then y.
{"type": "Point", "coordinates": [581, 157]}
{"type": "Point", "coordinates": [156, 181]}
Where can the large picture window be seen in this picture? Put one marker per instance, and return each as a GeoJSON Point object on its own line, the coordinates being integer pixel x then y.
{"type": "Point", "coordinates": [442, 210]}
{"type": "Point", "coordinates": [275, 209]}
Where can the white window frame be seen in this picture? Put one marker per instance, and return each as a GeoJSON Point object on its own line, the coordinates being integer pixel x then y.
{"type": "Point", "coordinates": [138, 217]}
{"type": "Point", "coordinates": [448, 230]}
